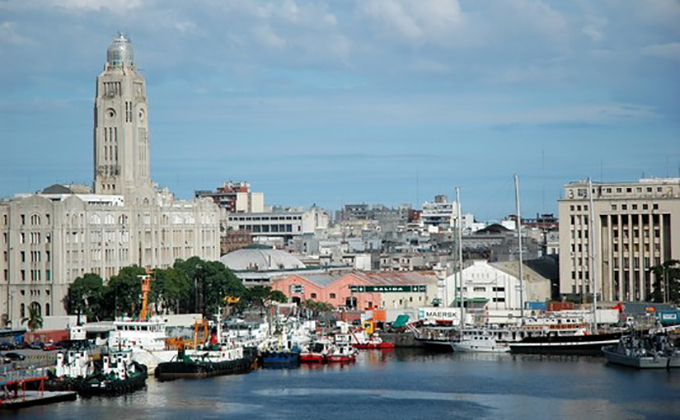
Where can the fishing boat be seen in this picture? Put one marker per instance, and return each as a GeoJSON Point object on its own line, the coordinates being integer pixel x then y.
{"type": "Point", "coordinates": [373, 342]}
{"type": "Point", "coordinates": [342, 351]}
{"type": "Point", "coordinates": [316, 352]}
{"type": "Point", "coordinates": [651, 351]}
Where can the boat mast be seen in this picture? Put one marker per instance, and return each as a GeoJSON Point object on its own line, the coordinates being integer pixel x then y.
{"type": "Point", "coordinates": [460, 257]}
{"type": "Point", "coordinates": [521, 259]}
{"type": "Point", "coordinates": [591, 252]}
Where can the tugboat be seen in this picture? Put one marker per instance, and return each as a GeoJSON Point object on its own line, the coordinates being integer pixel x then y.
{"type": "Point", "coordinates": [224, 358]}
{"type": "Point", "coordinates": [119, 375]}
{"type": "Point", "coordinates": [116, 374]}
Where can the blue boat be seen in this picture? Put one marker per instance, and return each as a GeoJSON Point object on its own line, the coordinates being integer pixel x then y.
{"type": "Point", "coordinates": [284, 357]}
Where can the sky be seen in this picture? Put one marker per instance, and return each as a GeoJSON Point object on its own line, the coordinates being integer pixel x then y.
{"type": "Point", "coordinates": [354, 101]}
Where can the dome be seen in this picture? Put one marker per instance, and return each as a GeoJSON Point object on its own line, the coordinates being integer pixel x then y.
{"type": "Point", "coordinates": [261, 259]}
{"type": "Point", "coordinates": [120, 52]}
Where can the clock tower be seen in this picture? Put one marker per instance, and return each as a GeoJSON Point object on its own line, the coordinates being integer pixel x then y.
{"type": "Point", "coordinates": [121, 128]}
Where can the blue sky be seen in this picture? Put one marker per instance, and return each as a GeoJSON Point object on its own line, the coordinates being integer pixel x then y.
{"type": "Point", "coordinates": [375, 101]}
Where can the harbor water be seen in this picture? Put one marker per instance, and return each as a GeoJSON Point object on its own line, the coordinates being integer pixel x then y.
{"type": "Point", "coordinates": [401, 384]}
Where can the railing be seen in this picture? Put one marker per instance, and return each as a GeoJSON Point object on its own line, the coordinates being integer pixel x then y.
{"type": "Point", "coordinates": [8, 376]}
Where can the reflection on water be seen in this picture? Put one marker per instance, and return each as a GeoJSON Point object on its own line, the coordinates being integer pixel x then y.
{"type": "Point", "coordinates": [403, 384]}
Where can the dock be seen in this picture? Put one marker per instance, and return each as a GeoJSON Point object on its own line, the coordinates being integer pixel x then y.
{"type": "Point", "coordinates": [14, 393]}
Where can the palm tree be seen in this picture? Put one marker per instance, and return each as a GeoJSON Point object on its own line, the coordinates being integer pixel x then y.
{"type": "Point", "coordinates": [34, 319]}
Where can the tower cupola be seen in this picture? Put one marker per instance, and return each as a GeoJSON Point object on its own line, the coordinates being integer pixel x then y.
{"type": "Point", "coordinates": [120, 52]}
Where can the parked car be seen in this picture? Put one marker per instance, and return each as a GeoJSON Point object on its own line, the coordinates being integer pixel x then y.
{"type": "Point", "coordinates": [37, 345]}
{"type": "Point", "coordinates": [12, 357]}
{"type": "Point", "coordinates": [23, 345]}
{"type": "Point", "coordinates": [49, 347]}
{"type": "Point", "coordinates": [7, 346]}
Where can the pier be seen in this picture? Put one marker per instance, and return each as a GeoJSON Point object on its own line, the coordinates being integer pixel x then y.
{"type": "Point", "coordinates": [14, 384]}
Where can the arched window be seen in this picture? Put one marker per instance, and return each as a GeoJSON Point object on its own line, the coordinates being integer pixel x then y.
{"type": "Point", "coordinates": [37, 306]}
{"type": "Point", "coordinates": [35, 220]}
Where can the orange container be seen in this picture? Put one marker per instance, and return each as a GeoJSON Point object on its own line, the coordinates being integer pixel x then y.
{"type": "Point", "coordinates": [379, 315]}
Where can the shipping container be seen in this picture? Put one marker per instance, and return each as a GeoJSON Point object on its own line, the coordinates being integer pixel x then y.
{"type": "Point", "coordinates": [668, 317]}
{"type": "Point", "coordinates": [536, 306]}
{"type": "Point", "coordinates": [560, 306]}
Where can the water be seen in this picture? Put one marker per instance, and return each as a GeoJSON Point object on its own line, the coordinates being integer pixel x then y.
{"type": "Point", "coordinates": [402, 384]}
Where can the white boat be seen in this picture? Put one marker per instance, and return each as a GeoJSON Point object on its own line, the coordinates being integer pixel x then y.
{"type": "Point", "coordinates": [479, 340]}
{"type": "Point", "coordinates": [146, 339]}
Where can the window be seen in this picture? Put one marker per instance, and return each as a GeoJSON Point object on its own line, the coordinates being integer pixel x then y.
{"type": "Point", "coordinates": [332, 295]}
{"type": "Point", "coordinates": [313, 295]}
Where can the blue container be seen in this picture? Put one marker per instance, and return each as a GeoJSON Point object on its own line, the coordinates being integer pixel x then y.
{"type": "Point", "coordinates": [668, 317]}
{"type": "Point", "coordinates": [535, 306]}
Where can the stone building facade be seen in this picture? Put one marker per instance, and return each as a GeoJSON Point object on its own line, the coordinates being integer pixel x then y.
{"type": "Point", "coordinates": [633, 225]}
{"type": "Point", "coordinates": [54, 236]}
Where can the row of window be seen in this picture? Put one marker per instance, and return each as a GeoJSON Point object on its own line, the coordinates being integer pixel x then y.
{"type": "Point", "coordinates": [635, 207]}
{"type": "Point", "coordinates": [35, 219]}
{"type": "Point", "coordinates": [259, 218]}
{"type": "Point", "coordinates": [34, 275]}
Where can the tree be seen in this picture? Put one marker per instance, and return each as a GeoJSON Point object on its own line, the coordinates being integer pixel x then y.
{"type": "Point", "coordinates": [666, 281]}
{"type": "Point", "coordinates": [172, 290]}
{"type": "Point", "coordinates": [34, 321]}
{"type": "Point", "coordinates": [86, 296]}
{"type": "Point", "coordinates": [210, 283]}
{"type": "Point", "coordinates": [124, 291]}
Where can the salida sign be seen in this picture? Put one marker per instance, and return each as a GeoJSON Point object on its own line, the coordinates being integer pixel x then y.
{"type": "Point", "coordinates": [388, 289]}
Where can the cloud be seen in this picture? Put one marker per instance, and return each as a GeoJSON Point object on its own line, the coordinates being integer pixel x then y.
{"type": "Point", "coordinates": [117, 6]}
{"type": "Point", "coordinates": [670, 51]}
{"type": "Point", "coordinates": [417, 23]}
{"type": "Point", "coordinates": [9, 35]}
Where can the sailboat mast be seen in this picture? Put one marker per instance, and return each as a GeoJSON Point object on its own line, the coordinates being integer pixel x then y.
{"type": "Point", "coordinates": [591, 251]}
{"type": "Point", "coordinates": [519, 240]}
{"type": "Point", "coordinates": [460, 257]}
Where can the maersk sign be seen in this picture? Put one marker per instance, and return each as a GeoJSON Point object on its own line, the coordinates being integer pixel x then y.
{"type": "Point", "coordinates": [388, 289]}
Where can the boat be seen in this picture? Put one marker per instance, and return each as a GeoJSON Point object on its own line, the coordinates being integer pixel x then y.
{"type": "Point", "coordinates": [342, 351]}
{"type": "Point", "coordinates": [316, 352]}
{"type": "Point", "coordinates": [223, 356]}
{"type": "Point", "coordinates": [373, 342]}
{"type": "Point", "coordinates": [119, 374]}
{"type": "Point", "coordinates": [281, 357]}
{"type": "Point", "coordinates": [578, 344]}
{"type": "Point", "coordinates": [651, 351]}
{"type": "Point", "coordinates": [479, 340]}
{"type": "Point", "coordinates": [116, 373]}
{"type": "Point", "coordinates": [211, 361]}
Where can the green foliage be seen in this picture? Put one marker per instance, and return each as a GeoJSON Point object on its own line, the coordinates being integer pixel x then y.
{"type": "Point", "coordinates": [188, 286]}
{"type": "Point", "coordinates": [210, 283]}
{"type": "Point", "coordinates": [666, 282]}
{"type": "Point", "coordinates": [124, 291]}
{"type": "Point", "coordinates": [34, 321]}
{"type": "Point", "coordinates": [86, 296]}
{"type": "Point", "coordinates": [317, 308]}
